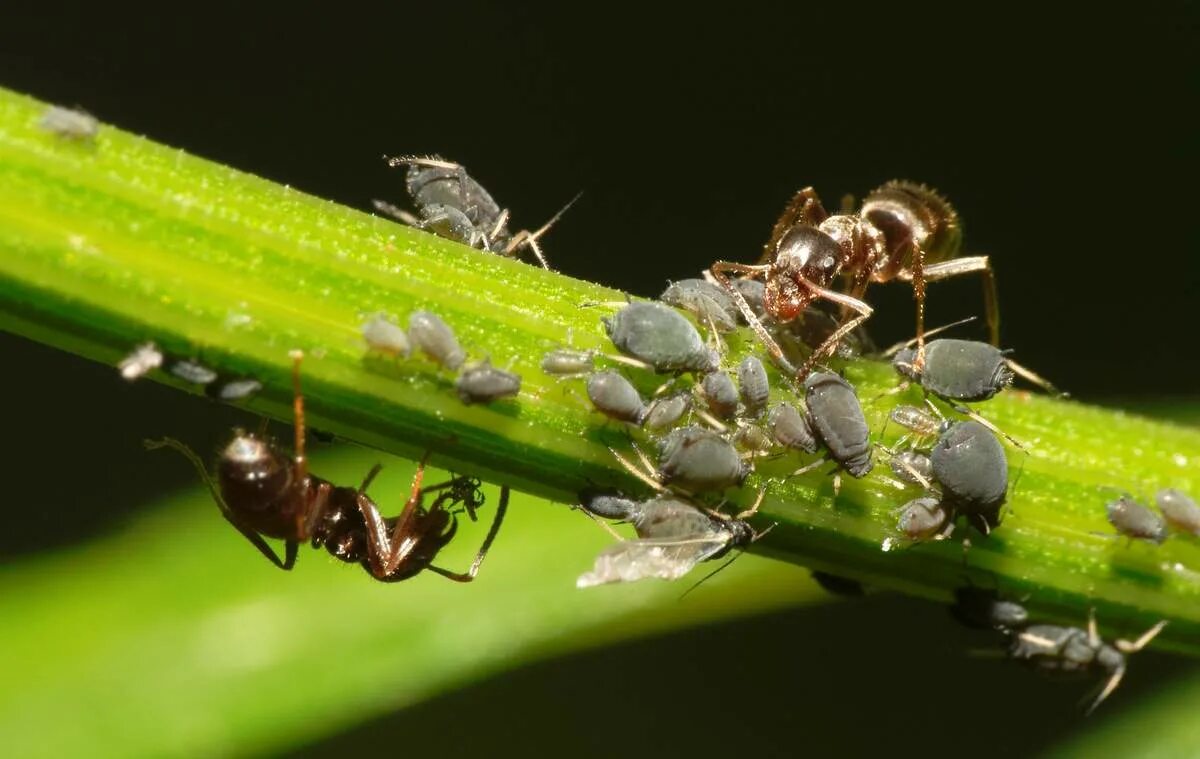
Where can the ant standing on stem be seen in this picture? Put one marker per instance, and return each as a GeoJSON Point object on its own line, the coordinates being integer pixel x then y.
{"type": "Point", "coordinates": [265, 494]}
{"type": "Point", "coordinates": [903, 231]}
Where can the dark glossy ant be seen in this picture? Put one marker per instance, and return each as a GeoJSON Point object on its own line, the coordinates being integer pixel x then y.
{"type": "Point", "coordinates": [904, 231]}
{"type": "Point", "coordinates": [265, 494]}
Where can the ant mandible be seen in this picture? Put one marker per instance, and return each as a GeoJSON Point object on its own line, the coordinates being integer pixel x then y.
{"type": "Point", "coordinates": [265, 494]}
{"type": "Point", "coordinates": [903, 231]}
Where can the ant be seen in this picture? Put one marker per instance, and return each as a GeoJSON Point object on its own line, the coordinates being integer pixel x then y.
{"type": "Point", "coordinates": [904, 231]}
{"type": "Point", "coordinates": [265, 494]}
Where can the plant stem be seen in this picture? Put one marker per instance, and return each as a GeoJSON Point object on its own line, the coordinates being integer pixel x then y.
{"type": "Point", "coordinates": [108, 244]}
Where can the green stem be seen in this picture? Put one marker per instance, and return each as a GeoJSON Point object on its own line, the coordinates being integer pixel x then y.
{"type": "Point", "coordinates": [109, 244]}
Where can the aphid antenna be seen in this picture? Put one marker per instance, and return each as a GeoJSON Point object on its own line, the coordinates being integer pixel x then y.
{"type": "Point", "coordinates": [433, 161]}
{"type": "Point", "coordinates": [396, 212]}
{"type": "Point", "coordinates": [975, 417]}
{"type": "Point", "coordinates": [530, 239]}
{"type": "Point", "coordinates": [928, 334]}
{"type": "Point", "coordinates": [636, 471]}
{"type": "Point", "coordinates": [712, 574]}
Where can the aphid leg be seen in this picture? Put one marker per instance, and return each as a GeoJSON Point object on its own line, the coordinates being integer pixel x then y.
{"type": "Point", "coordinates": [1130, 647]}
{"type": "Point", "coordinates": [1110, 685]}
{"type": "Point", "coordinates": [957, 266]}
{"type": "Point", "coordinates": [831, 342]}
{"type": "Point", "coordinates": [804, 208]}
{"type": "Point", "coordinates": [895, 390]}
{"type": "Point", "coordinates": [837, 484]}
{"type": "Point", "coordinates": [396, 212]}
{"type": "Point", "coordinates": [1030, 376]}
{"type": "Point", "coordinates": [753, 509]}
{"type": "Point", "coordinates": [976, 417]}
{"type": "Point", "coordinates": [386, 552]}
{"type": "Point", "coordinates": [530, 239]}
{"type": "Point", "coordinates": [718, 270]}
{"type": "Point", "coordinates": [920, 478]}
{"type": "Point", "coordinates": [636, 472]}
{"type": "Point", "coordinates": [469, 575]}
{"type": "Point", "coordinates": [255, 539]}
{"type": "Point", "coordinates": [809, 467]}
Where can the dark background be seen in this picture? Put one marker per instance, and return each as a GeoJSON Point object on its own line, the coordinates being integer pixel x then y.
{"type": "Point", "coordinates": [1065, 137]}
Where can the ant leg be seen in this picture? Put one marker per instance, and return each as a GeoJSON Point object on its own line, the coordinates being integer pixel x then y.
{"type": "Point", "coordinates": [255, 539]}
{"type": "Point", "coordinates": [386, 552]}
{"type": "Point", "coordinates": [366, 483]}
{"type": "Point", "coordinates": [718, 271]}
{"type": "Point", "coordinates": [830, 344]}
{"type": "Point", "coordinates": [469, 575]}
{"type": "Point", "coordinates": [1130, 647]}
{"type": "Point", "coordinates": [957, 266]}
{"type": "Point", "coordinates": [298, 416]}
{"type": "Point", "coordinates": [805, 209]}
{"type": "Point", "coordinates": [918, 283]}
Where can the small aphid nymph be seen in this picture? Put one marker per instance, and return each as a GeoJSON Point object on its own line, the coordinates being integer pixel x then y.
{"type": "Point", "coordinates": [193, 372]}
{"type": "Point", "coordinates": [709, 303]}
{"type": "Point", "coordinates": [699, 460]}
{"type": "Point", "coordinates": [564, 362]}
{"type": "Point", "coordinates": [383, 336]}
{"type": "Point", "coordinates": [1180, 511]}
{"type": "Point", "coordinates": [484, 383]}
{"type": "Point", "coordinates": [616, 397]}
{"type": "Point", "coordinates": [665, 412]}
{"type": "Point", "coordinates": [141, 360]}
{"type": "Point", "coordinates": [70, 124]}
{"type": "Point", "coordinates": [234, 390]}
{"type": "Point", "coordinates": [720, 394]}
{"type": "Point", "coordinates": [435, 339]}
{"type": "Point", "coordinates": [790, 429]}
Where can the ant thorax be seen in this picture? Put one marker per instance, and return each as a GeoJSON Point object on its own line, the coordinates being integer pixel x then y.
{"type": "Point", "coordinates": [863, 245]}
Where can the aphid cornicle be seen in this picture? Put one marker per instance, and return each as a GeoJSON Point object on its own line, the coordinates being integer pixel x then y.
{"type": "Point", "coordinates": [673, 537]}
{"type": "Point", "coordinates": [836, 417]}
{"type": "Point", "coordinates": [903, 231]}
{"type": "Point", "coordinates": [264, 493]}
{"type": "Point", "coordinates": [661, 337]}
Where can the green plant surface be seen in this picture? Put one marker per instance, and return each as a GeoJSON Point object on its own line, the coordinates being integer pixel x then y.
{"type": "Point", "coordinates": [106, 245]}
{"type": "Point", "coordinates": [174, 637]}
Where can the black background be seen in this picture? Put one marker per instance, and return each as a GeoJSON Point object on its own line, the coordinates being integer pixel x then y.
{"type": "Point", "coordinates": [1065, 136]}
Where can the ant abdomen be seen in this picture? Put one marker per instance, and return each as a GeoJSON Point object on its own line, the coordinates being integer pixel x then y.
{"type": "Point", "coordinates": [908, 214]}
{"type": "Point", "coordinates": [256, 482]}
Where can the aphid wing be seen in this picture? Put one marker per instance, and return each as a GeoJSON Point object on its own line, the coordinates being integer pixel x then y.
{"type": "Point", "coordinates": [638, 559]}
{"type": "Point", "coordinates": [671, 519]}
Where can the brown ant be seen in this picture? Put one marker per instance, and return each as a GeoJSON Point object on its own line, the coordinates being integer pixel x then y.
{"type": "Point", "coordinates": [904, 231]}
{"type": "Point", "coordinates": [265, 494]}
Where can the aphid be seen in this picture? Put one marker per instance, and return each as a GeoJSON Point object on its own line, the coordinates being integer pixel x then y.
{"type": "Point", "coordinates": [925, 518]}
{"type": "Point", "coordinates": [962, 370]}
{"type": "Point", "coordinates": [707, 301]}
{"type": "Point", "coordinates": [912, 467]}
{"type": "Point", "coordinates": [484, 383]}
{"type": "Point", "coordinates": [984, 609]}
{"type": "Point", "coordinates": [661, 337]}
{"type": "Point", "coordinates": [751, 437]}
{"type": "Point", "coordinates": [143, 359]}
{"type": "Point", "coordinates": [752, 384]}
{"type": "Point", "coordinates": [193, 372]}
{"type": "Point", "coordinates": [720, 394]}
{"type": "Point", "coordinates": [673, 537]}
{"type": "Point", "coordinates": [663, 413]}
{"type": "Point", "coordinates": [70, 124]}
{"type": "Point", "coordinates": [382, 335]}
{"type": "Point", "coordinates": [836, 417]}
{"type": "Point", "coordinates": [234, 390]}
{"type": "Point", "coordinates": [790, 429]}
{"type": "Point", "coordinates": [923, 424]}
{"type": "Point", "coordinates": [903, 231]}
{"type": "Point", "coordinates": [699, 460]}
{"type": "Point", "coordinates": [435, 339]}
{"type": "Point", "coordinates": [564, 362]}
{"type": "Point", "coordinates": [608, 504]}
{"type": "Point", "coordinates": [1180, 511]}
{"type": "Point", "coordinates": [616, 397]}
{"type": "Point", "coordinates": [1070, 650]}
{"type": "Point", "coordinates": [452, 204]}
{"type": "Point", "coordinates": [969, 465]}
{"type": "Point", "coordinates": [265, 494]}
{"type": "Point", "coordinates": [1135, 521]}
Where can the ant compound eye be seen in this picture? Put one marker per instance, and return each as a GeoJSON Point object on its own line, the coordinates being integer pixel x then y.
{"type": "Point", "coordinates": [252, 473]}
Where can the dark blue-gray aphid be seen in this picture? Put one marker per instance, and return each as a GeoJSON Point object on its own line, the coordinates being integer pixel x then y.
{"type": "Point", "coordinates": [484, 383]}
{"type": "Point", "coordinates": [959, 370]}
{"type": "Point", "coordinates": [752, 384]}
{"type": "Point", "coordinates": [1133, 520]}
{"type": "Point", "coordinates": [699, 460]}
{"type": "Point", "coordinates": [969, 464]}
{"type": "Point", "coordinates": [608, 504]}
{"type": "Point", "coordinates": [707, 301]}
{"type": "Point", "coordinates": [790, 429]}
{"type": "Point", "coordinates": [435, 339]}
{"type": "Point", "coordinates": [665, 412]}
{"type": "Point", "coordinates": [837, 419]}
{"type": "Point", "coordinates": [661, 337]}
{"type": "Point", "coordinates": [1180, 511]}
{"type": "Point", "coordinates": [616, 397]}
{"type": "Point", "coordinates": [720, 394]}
{"type": "Point", "coordinates": [984, 609]}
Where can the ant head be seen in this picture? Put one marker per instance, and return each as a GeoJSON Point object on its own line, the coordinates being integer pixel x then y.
{"type": "Point", "coordinates": [252, 473]}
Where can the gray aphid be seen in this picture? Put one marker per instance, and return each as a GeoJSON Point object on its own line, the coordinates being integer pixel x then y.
{"type": "Point", "coordinates": [661, 337]}
{"type": "Point", "coordinates": [790, 429]}
{"type": "Point", "coordinates": [483, 383]}
{"type": "Point", "coordinates": [384, 336]}
{"type": "Point", "coordinates": [753, 386]}
{"type": "Point", "coordinates": [1133, 520]}
{"type": "Point", "coordinates": [193, 372]}
{"type": "Point", "coordinates": [708, 302]}
{"type": "Point", "coordinates": [608, 504]}
{"type": "Point", "coordinates": [70, 124]}
{"type": "Point", "coordinates": [665, 412]}
{"type": "Point", "coordinates": [751, 437]}
{"type": "Point", "coordinates": [1180, 511]}
{"type": "Point", "coordinates": [616, 397]}
{"type": "Point", "coordinates": [720, 394]}
{"type": "Point", "coordinates": [837, 419]}
{"type": "Point", "coordinates": [961, 370]}
{"type": "Point", "coordinates": [235, 390]}
{"type": "Point", "coordinates": [699, 460]}
{"type": "Point", "coordinates": [564, 362]}
{"type": "Point", "coordinates": [435, 339]}
{"type": "Point", "coordinates": [922, 518]}
{"type": "Point", "coordinates": [969, 464]}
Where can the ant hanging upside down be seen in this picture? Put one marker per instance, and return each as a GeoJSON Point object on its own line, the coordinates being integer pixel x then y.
{"type": "Point", "coordinates": [265, 494]}
{"type": "Point", "coordinates": [904, 231]}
